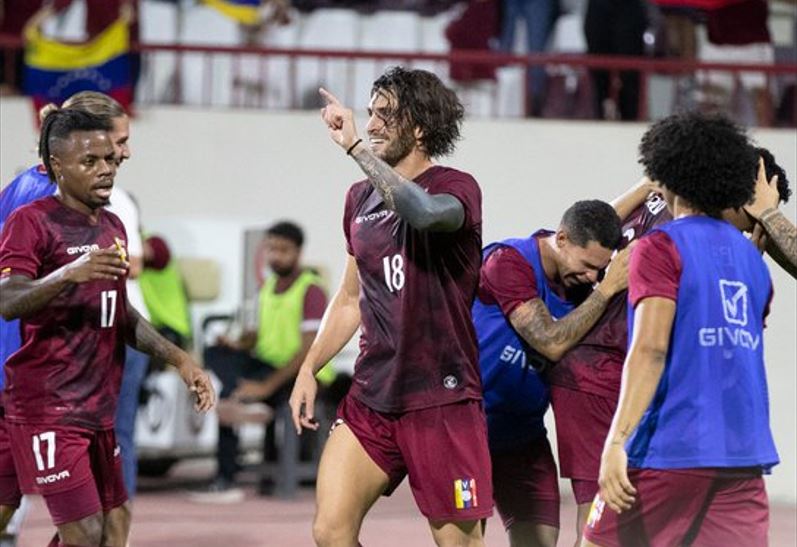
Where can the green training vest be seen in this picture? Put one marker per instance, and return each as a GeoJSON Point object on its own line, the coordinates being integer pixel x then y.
{"type": "Point", "coordinates": [279, 336]}
{"type": "Point", "coordinates": [164, 295]}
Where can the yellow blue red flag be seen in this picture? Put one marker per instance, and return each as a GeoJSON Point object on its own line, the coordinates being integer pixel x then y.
{"type": "Point", "coordinates": [55, 70]}
{"type": "Point", "coordinates": [244, 11]}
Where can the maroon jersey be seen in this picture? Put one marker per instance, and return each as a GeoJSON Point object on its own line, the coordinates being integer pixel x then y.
{"type": "Point", "coordinates": [595, 365]}
{"type": "Point", "coordinates": [69, 368]}
{"type": "Point", "coordinates": [418, 345]}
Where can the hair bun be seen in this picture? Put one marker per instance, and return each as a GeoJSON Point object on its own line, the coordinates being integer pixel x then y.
{"type": "Point", "coordinates": [46, 110]}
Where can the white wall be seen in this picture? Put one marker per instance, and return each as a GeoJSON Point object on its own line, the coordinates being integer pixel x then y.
{"type": "Point", "coordinates": [202, 176]}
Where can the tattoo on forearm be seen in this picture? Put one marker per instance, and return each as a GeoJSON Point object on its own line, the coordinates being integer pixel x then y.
{"type": "Point", "coordinates": [534, 323]}
{"type": "Point", "coordinates": [143, 336]}
{"type": "Point", "coordinates": [383, 177]}
{"type": "Point", "coordinates": [405, 197]}
{"type": "Point", "coordinates": [782, 233]}
{"type": "Point", "coordinates": [23, 296]}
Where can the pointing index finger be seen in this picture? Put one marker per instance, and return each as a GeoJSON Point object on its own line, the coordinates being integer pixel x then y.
{"type": "Point", "coordinates": [328, 97]}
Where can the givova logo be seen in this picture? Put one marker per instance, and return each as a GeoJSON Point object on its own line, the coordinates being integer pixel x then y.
{"type": "Point", "coordinates": [55, 477]}
{"type": "Point", "coordinates": [735, 301]}
{"type": "Point", "coordinates": [82, 249]}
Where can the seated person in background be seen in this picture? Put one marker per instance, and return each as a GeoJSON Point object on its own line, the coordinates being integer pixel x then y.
{"type": "Point", "coordinates": [262, 364]}
{"type": "Point", "coordinates": [530, 310]}
{"type": "Point", "coordinates": [164, 293]}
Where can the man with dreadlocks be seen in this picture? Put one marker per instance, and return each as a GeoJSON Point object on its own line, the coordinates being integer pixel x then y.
{"type": "Point", "coordinates": [62, 272]}
{"type": "Point", "coordinates": [413, 237]}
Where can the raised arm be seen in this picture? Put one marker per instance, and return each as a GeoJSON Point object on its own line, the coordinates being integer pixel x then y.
{"type": "Point", "coordinates": [552, 338]}
{"type": "Point", "coordinates": [642, 371]}
{"type": "Point", "coordinates": [341, 320]}
{"type": "Point", "coordinates": [143, 336]}
{"type": "Point", "coordinates": [23, 296]}
{"type": "Point", "coordinates": [423, 211]}
{"type": "Point", "coordinates": [781, 233]}
{"type": "Point", "coordinates": [632, 198]}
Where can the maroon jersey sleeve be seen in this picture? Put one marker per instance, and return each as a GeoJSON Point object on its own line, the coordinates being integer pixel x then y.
{"type": "Point", "coordinates": [507, 280]}
{"type": "Point", "coordinates": [21, 245]}
{"type": "Point", "coordinates": [463, 187]}
{"type": "Point", "coordinates": [654, 269]}
{"type": "Point", "coordinates": [348, 210]}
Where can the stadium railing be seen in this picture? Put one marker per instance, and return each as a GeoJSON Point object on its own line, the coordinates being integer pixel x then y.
{"type": "Point", "coordinates": [286, 79]}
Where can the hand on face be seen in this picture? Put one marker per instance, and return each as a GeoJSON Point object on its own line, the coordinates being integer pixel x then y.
{"type": "Point", "coordinates": [339, 120]}
{"type": "Point", "coordinates": [766, 194]}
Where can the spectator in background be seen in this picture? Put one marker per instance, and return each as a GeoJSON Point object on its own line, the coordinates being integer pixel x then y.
{"type": "Point", "coordinates": [616, 27]}
{"type": "Point", "coordinates": [738, 32]}
{"type": "Point", "coordinates": [473, 30]}
{"type": "Point", "coordinates": [164, 293]}
{"type": "Point", "coordinates": [262, 364]}
{"type": "Point", "coordinates": [539, 16]}
{"type": "Point", "coordinates": [14, 15]}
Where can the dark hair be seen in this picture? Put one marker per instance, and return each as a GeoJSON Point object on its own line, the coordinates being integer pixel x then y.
{"type": "Point", "coordinates": [287, 230]}
{"type": "Point", "coordinates": [592, 220]}
{"type": "Point", "coordinates": [422, 101]}
{"type": "Point", "coordinates": [705, 159]}
{"type": "Point", "coordinates": [59, 124]}
{"type": "Point", "coordinates": [772, 168]}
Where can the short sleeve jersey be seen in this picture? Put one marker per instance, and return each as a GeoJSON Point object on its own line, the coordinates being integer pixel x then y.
{"type": "Point", "coordinates": [595, 365]}
{"type": "Point", "coordinates": [418, 345]}
{"type": "Point", "coordinates": [30, 185]}
{"type": "Point", "coordinates": [69, 368]}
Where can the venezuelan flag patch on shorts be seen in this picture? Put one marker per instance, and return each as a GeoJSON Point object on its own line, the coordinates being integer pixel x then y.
{"type": "Point", "coordinates": [465, 493]}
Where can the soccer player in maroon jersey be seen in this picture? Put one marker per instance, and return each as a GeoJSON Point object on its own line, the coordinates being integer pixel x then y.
{"type": "Point", "coordinates": [586, 380]}
{"type": "Point", "coordinates": [62, 272]}
{"type": "Point", "coordinates": [413, 234]}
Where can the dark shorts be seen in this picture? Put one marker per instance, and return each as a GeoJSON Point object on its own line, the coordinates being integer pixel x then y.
{"type": "Point", "coordinates": [582, 423]}
{"type": "Point", "coordinates": [77, 471]}
{"type": "Point", "coordinates": [442, 449]}
{"type": "Point", "coordinates": [10, 494]}
{"type": "Point", "coordinates": [700, 507]}
{"type": "Point", "coordinates": [525, 483]}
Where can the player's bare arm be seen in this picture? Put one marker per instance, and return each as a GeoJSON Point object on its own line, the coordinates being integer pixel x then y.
{"type": "Point", "coordinates": [341, 320]}
{"type": "Point", "coordinates": [23, 296]}
{"type": "Point", "coordinates": [642, 371]}
{"type": "Point", "coordinates": [553, 339]}
{"type": "Point", "coordinates": [781, 233]}
{"type": "Point", "coordinates": [782, 240]}
{"type": "Point", "coordinates": [423, 211]}
{"type": "Point", "coordinates": [632, 198]}
{"type": "Point", "coordinates": [143, 336]}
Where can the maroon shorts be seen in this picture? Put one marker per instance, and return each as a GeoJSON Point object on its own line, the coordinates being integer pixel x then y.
{"type": "Point", "coordinates": [525, 483]}
{"type": "Point", "coordinates": [685, 507]}
{"type": "Point", "coordinates": [442, 449]}
{"type": "Point", "coordinates": [77, 471]}
{"type": "Point", "coordinates": [10, 494]}
{"type": "Point", "coordinates": [582, 423]}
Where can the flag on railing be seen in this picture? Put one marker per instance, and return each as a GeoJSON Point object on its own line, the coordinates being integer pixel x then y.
{"type": "Point", "coordinates": [55, 70]}
{"type": "Point", "coordinates": [246, 12]}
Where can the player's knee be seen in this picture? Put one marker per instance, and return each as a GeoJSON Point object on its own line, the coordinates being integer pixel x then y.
{"type": "Point", "coordinates": [328, 531]}
{"type": "Point", "coordinates": [85, 532]}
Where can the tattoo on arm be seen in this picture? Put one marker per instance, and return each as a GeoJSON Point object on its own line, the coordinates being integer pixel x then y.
{"type": "Point", "coordinates": [553, 339]}
{"type": "Point", "coordinates": [440, 213]}
{"type": "Point", "coordinates": [23, 296]}
{"type": "Point", "coordinates": [143, 336]}
{"type": "Point", "coordinates": [783, 236]}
